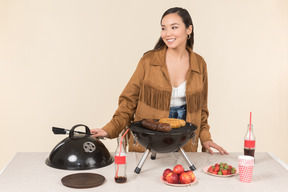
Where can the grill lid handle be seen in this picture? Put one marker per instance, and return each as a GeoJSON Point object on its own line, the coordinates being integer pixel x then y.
{"type": "Point", "coordinates": [71, 133]}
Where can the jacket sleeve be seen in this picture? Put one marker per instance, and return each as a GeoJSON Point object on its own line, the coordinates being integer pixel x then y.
{"type": "Point", "coordinates": [127, 103]}
{"type": "Point", "coordinates": [204, 128]}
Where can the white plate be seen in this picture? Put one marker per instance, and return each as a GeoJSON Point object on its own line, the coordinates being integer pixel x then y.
{"type": "Point", "coordinates": [205, 169]}
{"type": "Point", "coordinates": [179, 185]}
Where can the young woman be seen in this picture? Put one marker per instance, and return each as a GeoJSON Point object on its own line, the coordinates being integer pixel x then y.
{"type": "Point", "coordinates": [169, 81]}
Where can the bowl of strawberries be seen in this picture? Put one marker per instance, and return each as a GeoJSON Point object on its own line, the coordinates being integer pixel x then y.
{"type": "Point", "coordinates": [221, 170]}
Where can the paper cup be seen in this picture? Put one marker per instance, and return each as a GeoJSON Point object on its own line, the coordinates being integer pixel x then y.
{"type": "Point", "coordinates": [246, 164]}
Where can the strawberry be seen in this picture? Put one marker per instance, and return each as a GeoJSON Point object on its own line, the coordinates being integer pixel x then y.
{"type": "Point", "coordinates": [224, 171]}
{"type": "Point", "coordinates": [217, 169]}
{"type": "Point", "coordinates": [211, 169]}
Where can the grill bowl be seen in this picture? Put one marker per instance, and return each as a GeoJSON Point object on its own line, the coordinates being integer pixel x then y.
{"type": "Point", "coordinates": [163, 142]}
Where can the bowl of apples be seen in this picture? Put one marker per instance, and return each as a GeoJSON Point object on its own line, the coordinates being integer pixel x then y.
{"type": "Point", "coordinates": [178, 176]}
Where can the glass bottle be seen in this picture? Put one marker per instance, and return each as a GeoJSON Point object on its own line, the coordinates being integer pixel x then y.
{"type": "Point", "coordinates": [249, 141]}
{"type": "Point", "coordinates": [120, 160]}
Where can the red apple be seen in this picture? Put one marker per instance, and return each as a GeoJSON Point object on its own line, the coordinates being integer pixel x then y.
{"type": "Point", "coordinates": [185, 178]}
{"type": "Point", "coordinates": [191, 173]}
{"type": "Point", "coordinates": [165, 172]}
{"type": "Point", "coordinates": [172, 178]}
{"type": "Point", "coordinates": [178, 169]}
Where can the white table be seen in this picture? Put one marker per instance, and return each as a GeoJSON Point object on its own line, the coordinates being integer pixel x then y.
{"type": "Point", "coordinates": [28, 172]}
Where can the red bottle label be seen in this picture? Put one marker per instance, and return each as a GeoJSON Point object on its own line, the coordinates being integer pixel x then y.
{"type": "Point", "coordinates": [249, 143]}
{"type": "Point", "coordinates": [120, 159]}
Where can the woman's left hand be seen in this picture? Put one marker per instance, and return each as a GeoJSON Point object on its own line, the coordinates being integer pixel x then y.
{"type": "Point", "coordinates": [209, 144]}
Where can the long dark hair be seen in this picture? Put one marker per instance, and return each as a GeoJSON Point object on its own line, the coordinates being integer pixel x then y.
{"type": "Point", "coordinates": [186, 18]}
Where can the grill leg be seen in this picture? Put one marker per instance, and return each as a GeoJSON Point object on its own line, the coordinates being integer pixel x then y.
{"type": "Point", "coordinates": [141, 162]}
{"type": "Point", "coordinates": [191, 166]}
{"type": "Point", "coordinates": [153, 155]}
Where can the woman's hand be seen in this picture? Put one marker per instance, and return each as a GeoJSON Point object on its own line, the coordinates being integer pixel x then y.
{"type": "Point", "coordinates": [99, 133]}
{"type": "Point", "coordinates": [209, 144]}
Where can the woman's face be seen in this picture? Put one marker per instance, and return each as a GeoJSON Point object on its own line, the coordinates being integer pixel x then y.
{"type": "Point", "coordinates": [174, 32]}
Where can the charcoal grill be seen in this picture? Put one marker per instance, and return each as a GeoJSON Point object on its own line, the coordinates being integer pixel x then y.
{"type": "Point", "coordinates": [162, 142]}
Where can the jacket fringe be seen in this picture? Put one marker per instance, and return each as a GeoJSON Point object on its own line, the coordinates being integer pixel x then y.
{"type": "Point", "coordinates": [156, 98]}
{"type": "Point", "coordinates": [193, 102]}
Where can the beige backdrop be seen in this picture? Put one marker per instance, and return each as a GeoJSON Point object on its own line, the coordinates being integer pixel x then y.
{"type": "Point", "coordinates": [64, 62]}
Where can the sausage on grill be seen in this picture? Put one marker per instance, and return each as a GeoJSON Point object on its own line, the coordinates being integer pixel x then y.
{"type": "Point", "coordinates": [155, 125]}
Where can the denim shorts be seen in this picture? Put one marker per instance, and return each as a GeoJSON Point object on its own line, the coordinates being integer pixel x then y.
{"type": "Point", "coordinates": [178, 112]}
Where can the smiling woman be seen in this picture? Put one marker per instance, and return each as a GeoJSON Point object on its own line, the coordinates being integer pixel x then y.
{"type": "Point", "coordinates": [174, 33]}
{"type": "Point", "coordinates": [176, 18]}
{"type": "Point", "coordinates": [156, 83]}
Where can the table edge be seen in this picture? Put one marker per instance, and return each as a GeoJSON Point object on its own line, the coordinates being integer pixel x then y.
{"type": "Point", "coordinates": [282, 163]}
{"type": "Point", "coordinates": [7, 164]}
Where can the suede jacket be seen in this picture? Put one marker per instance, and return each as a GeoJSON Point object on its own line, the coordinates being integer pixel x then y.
{"type": "Point", "coordinates": [148, 94]}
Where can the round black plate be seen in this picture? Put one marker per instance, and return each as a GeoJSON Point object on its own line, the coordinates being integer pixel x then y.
{"type": "Point", "coordinates": [83, 180]}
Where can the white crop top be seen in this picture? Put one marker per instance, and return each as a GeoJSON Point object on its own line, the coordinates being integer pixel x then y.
{"type": "Point", "coordinates": [178, 95]}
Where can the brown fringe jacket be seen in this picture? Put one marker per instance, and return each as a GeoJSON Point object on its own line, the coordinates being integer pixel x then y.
{"type": "Point", "coordinates": [148, 93]}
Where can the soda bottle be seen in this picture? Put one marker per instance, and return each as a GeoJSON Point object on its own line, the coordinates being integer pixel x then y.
{"type": "Point", "coordinates": [120, 160]}
{"type": "Point", "coordinates": [249, 141]}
